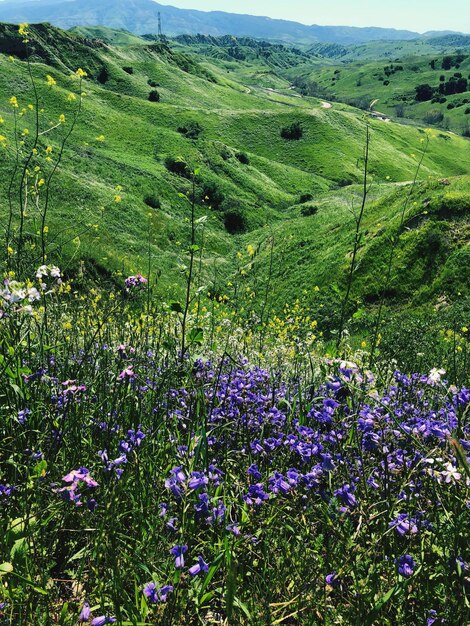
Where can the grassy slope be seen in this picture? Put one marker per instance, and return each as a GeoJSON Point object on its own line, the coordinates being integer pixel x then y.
{"type": "Point", "coordinates": [364, 80]}
{"type": "Point", "coordinates": [431, 257]}
{"type": "Point", "coordinates": [140, 135]}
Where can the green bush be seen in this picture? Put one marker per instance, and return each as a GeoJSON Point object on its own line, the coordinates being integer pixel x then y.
{"type": "Point", "coordinates": [152, 202]}
{"type": "Point", "coordinates": [191, 130]}
{"type": "Point", "coordinates": [154, 96]}
{"type": "Point", "coordinates": [294, 132]}
{"type": "Point", "coordinates": [235, 222]}
{"type": "Point", "coordinates": [178, 166]}
{"type": "Point", "coordinates": [243, 158]}
{"type": "Point", "coordinates": [308, 210]}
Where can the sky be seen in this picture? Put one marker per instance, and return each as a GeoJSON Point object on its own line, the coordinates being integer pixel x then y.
{"type": "Point", "coordinates": [416, 15]}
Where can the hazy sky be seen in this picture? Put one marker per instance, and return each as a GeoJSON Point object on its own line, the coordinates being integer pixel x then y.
{"type": "Point", "coordinates": [418, 15]}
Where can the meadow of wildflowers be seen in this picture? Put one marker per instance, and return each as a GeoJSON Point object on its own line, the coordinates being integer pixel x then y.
{"type": "Point", "coordinates": [142, 486]}
{"type": "Point", "coordinates": [209, 462]}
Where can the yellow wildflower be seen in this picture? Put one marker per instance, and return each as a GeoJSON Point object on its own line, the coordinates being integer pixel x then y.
{"type": "Point", "coordinates": [80, 73]}
{"type": "Point", "coordinates": [48, 149]}
{"type": "Point", "coordinates": [22, 29]}
{"type": "Point", "coordinates": [14, 102]}
{"type": "Point", "coordinates": [100, 138]}
{"type": "Point", "coordinates": [12, 58]}
{"type": "Point", "coordinates": [51, 81]}
{"type": "Point", "coordinates": [2, 121]}
{"type": "Point", "coordinates": [10, 251]}
{"type": "Point", "coordinates": [40, 184]}
{"type": "Point", "coordinates": [71, 97]}
{"type": "Point", "coordinates": [62, 118]}
{"type": "Point", "coordinates": [117, 198]}
{"type": "Point", "coordinates": [3, 140]}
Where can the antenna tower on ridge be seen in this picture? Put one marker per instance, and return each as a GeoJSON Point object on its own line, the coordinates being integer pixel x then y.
{"type": "Point", "coordinates": [160, 33]}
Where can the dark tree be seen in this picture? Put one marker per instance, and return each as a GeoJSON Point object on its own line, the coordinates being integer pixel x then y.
{"type": "Point", "coordinates": [154, 96]}
{"type": "Point", "coordinates": [424, 92]}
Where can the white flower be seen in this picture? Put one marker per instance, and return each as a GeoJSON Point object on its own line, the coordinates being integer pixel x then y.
{"type": "Point", "coordinates": [450, 474]}
{"type": "Point", "coordinates": [33, 294]}
{"type": "Point", "coordinates": [42, 271]}
{"type": "Point", "coordinates": [435, 375]}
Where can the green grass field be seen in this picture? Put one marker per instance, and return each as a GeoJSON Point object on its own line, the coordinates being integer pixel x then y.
{"type": "Point", "coordinates": [123, 139]}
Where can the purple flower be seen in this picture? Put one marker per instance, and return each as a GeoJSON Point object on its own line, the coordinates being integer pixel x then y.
{"type": "Point", "coordinates": [178, 552]}
{"type": "Point", "coordinates": [84, 613]}
{"type": "Point", "coordinates": [135, 281]}
{"type": "Point", "coordinates": [198, 479]}
{"type": "Point", "coordinates": [200, 566]}
{"type": "Point", "coordinates": [102, 620]}
{"type": "Point", "coordinates": [406, 565]}
{"type": "Point", "coordinates": [254, 471]}
{"type": "Point", "coordinates": [155, 595]}
{"type": "Point", "coordinates": [23, 416]}
{"type": "Point", "coordinates": [150, 592]}
{"type": "Point", "coordinates": [404, 525]}
{"type": "Point", "coordinates": [127, 374]}
{"type": "Point", "coordinates": [255, 495]}
{"type": "Point", "coordinates": [135, 436]}
{"type": "Point", "coordinates": [92, 504]}
{"type": "Point", "coordinates": [332, 579]}
{"type": "Point", "coordinates": [346, 494]}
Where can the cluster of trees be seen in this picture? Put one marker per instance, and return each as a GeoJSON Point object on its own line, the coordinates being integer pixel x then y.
{"type": "Point", "coordinates": [455, 84]}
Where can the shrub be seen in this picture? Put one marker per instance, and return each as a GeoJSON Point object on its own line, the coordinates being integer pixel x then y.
{"type": "Point", "coordinates": [154, 96]}
{"type": "Point", "coordinates": [234, 221]}
{"type": "Point", "coordinates": [128, 69]}
{"type": "Point", "coordinates": [305, 197]}
{"type": "Point", "coordinates": [103, 76]}
{"type": "Point", "coordinates": [434, 116]}
{"type": "Point", "coordinates": [152, 202]}
{"type": "Point", "coordinates": [423, 92]}
{"type": "Point", "coordinates": [308, 210]}
{"type": "Point", "coordinates": [447, 62]}
{"type": "Point", "coordinates": [152, 83]}
{"type": "Point", "coordinates": [243, 158]}
{"type": "Point", "coordinates": [294, 132]}
{"type": "Point", "coordinates": [178, 166]}
{"type": "Point", "coordinates": [212, 195]}
{"type": "Point", "coordinates": [191, 130]}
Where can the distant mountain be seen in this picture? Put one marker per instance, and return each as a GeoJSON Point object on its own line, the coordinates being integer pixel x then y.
{"type": "Point", "coordinates": [141, 16]}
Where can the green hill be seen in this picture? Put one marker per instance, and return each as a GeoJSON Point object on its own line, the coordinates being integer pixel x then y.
{"type": "Point", "coordinates": [249, 175]}
{"type": "Point", "coordinates": [397, 85]}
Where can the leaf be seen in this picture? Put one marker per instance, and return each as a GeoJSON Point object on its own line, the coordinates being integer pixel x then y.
{"type": "Point", "coordinates": [196, 335]}
{"type": "Point", "coordinates": [176, 307]}
{"type": "Point", "coordinates": [5, 568]}
{"type": "Point", "coordinates": [239, 604]}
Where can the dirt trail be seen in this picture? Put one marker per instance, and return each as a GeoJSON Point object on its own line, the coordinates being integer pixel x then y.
{"type": "Point", "coordinates": [326, 105]}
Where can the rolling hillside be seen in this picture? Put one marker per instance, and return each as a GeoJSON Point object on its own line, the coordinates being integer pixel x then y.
{"type": "Point", "coordinates": [430, 89]}
{"type": "Point", "coordinates": [250, 176]}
